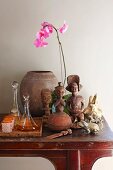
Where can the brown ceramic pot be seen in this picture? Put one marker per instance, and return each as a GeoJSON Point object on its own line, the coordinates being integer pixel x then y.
{"type": "Point", "coordinates": [32, 84]}
{"type": "Point", "coordinates": [59, 121]}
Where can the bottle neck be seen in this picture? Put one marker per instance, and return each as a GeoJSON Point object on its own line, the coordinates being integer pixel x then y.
{"type": "Point", "coordinates": [15, 108]}
{"type": "Point", "coordinates": [15, 103]}
{"type": "Point", "coordinates": [26, 108]}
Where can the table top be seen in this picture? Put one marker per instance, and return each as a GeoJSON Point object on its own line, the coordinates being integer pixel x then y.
{"type": "Point", "coordinates": [78, 138]}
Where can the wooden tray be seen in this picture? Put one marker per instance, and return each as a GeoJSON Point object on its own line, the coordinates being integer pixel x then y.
{"type": "Point", "coordinates": [18, 133]}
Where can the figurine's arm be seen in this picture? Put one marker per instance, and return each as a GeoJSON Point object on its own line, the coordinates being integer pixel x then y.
{"type": "Point", "coordinates": [57, 103]}
{"type": "Point", "coordinates": [82, 102]}
{"type": "Point", "coordinates": [68, 105]}
{"type": "Point", "coordinates": [62, 102]}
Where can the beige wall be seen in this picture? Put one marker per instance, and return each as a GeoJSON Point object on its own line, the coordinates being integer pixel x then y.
{"type": "Point", "coordinates": [88, 45]}
{"type": "Point", "coordinates": [25, 163]}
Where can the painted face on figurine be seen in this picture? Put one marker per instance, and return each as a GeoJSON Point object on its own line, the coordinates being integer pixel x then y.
{"type": "Point", "coordinates": [46, 96]}
{"type": "Point", "coordinates": [60, 91]}
{"type": "Point", "coordinates": [74, 87]}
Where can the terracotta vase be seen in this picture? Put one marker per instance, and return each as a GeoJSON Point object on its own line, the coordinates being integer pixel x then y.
{"type": "Point", "coordinates": [59, 121]}
{"type": "Point", "coordinates": [32, 84]}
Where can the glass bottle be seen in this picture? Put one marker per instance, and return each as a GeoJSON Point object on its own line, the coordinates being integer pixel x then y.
{"type": "Point", "coordinates": [27, 123]}
{"type": "Point", "coordinates": [15, 109]}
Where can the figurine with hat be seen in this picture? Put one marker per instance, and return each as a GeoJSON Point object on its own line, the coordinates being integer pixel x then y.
{"type": "Point", "coordinates": [75, 102]}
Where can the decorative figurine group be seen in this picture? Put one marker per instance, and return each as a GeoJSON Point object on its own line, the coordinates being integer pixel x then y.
{"type": "Point", "coordinates": [62, 112]}
{"type": "Point", "coordinates": [89, 118]}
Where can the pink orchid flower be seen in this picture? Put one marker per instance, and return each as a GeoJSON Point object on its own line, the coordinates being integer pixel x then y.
{"type": "Point", "coordinates": [64, 28]}
{"type": "Point", "coordinates": [45, 24]}
{"type": "Point", "coordinates": [48, 27]}
{"type": "Point", "coordinates": [40, 43]}
{"type": "Point", "coordinates": [42, 33]}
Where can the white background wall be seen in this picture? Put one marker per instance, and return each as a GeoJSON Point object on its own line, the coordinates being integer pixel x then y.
{"type": "Point", "coordinates": [88, 45]}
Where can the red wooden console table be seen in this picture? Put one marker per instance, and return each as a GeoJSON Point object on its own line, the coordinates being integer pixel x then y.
{"type": "Point", "coordinates": [78, 151]}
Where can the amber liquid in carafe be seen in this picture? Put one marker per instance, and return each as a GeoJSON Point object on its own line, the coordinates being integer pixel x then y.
{"type": "Point", "coordinates": [27, 123]}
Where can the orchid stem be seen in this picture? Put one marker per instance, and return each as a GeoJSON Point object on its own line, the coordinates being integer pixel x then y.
{"type": "Point", "coordinates": [61, 63]}
{"type": "Point", "coordinates": [63, 58]}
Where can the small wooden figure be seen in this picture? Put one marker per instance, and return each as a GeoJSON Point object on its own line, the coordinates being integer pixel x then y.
{"type": "Point", "coordinates": [59, 103]}
{"type": "Point", "coordinates": [46, 100]}
{"type": "Point", "coordinates": [59, 120]}
{"type": "Point", "coordinates": [75, 102]}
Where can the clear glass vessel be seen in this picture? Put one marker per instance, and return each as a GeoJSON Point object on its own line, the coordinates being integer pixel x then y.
{"type": "Point", "coordinates": [15, 109]}
{"type": "Point", "coordinates": [27, 123]}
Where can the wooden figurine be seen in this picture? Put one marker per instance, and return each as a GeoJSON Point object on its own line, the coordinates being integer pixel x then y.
{"type": "Point", "coordinates": [59, 103]}
{"type": "Point", "coordinates": [75, 102]}
{"type": "Point", "coordinates": [46, 100]}
{"type": "Point", "coordinates": [59, 120]}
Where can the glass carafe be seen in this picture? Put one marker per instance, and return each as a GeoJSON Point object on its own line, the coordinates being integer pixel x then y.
{"type": "Point", "coordinates": [15, 109]}
{"type": "Point", "coordinates": [27, 123]}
